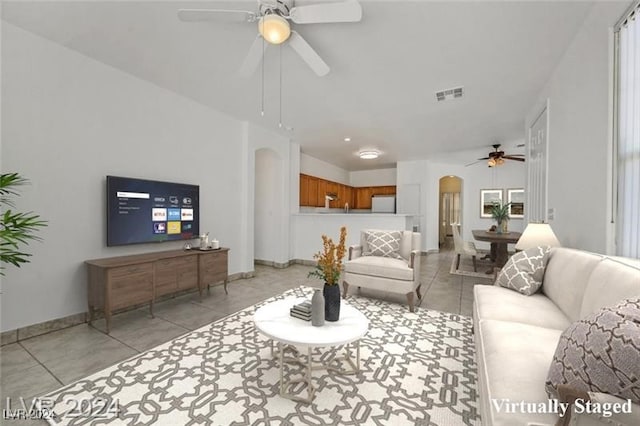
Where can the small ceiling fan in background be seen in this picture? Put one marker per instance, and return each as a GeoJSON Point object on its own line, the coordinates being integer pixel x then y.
{"type": "Point", "coordinates": [497, 157]}
{"type": "Point", "coordinates": [272, 18]}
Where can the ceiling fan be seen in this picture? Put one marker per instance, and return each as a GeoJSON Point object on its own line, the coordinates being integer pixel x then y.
{"type": "Point", "coordinates": [272, 18]}
{"type": "Point", "coordinates": [497, 157]}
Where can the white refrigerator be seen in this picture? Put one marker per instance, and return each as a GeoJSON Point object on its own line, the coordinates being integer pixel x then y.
{"type": "Point", "coordinates": [383, 204]}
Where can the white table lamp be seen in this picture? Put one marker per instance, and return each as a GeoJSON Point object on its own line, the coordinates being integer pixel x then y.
{"type": "Point", "coordinates": [537, 234]}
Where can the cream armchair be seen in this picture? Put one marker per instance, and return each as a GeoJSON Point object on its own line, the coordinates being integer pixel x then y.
{"type": "Point", "coordinates": [382, 262]}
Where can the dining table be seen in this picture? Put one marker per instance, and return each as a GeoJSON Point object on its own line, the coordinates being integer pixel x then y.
{"type": "Point", "coordinates": [501, 241]}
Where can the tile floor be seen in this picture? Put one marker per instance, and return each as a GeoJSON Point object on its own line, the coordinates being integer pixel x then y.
{"type": "Point", "coordinates": [44, 363]}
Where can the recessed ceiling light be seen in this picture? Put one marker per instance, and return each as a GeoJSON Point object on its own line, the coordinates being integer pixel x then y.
{"type": "Point", "coordinates": [369, 154]}
{"type": "Point", "coordinates": [347, 139]}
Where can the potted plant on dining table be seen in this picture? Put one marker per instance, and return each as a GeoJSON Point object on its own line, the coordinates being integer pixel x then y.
{"type": "Point", "coordinates": [500, 213]}
{"type": "Point", "coordinates": [328, 269]}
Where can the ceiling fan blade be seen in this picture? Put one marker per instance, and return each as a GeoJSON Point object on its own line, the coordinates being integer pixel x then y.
{"type": "Point", "coordinates": [253, 58]}
{"type": "Point", "coordinates": [346, 11]}
{"type": "Point", "coordinates": [471, 164]}
{"type": "Point", "coordinates": [509, 157]}
{"type": "Point", "coordinates": [200, 15]}
{"type": "Point", "coordinates": [307, 53]}
{"type": "Point", "coordinates": [483, 158]}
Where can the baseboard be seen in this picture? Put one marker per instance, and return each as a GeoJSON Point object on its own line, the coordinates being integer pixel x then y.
{"type": "Point", "coordinates": [23, 333]}
{"type": "Point", "coordinates": [14, 336]}
{"type": "Point", "coordinates": [272, 263]}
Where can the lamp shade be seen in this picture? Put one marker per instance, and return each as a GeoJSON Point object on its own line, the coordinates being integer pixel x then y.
{"type": "Point", "coordinates": [274, 28]}
{"type": "Point", "coordinates": [537, 234]}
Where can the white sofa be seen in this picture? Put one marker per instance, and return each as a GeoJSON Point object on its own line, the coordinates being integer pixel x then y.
{"type": "Point", "coordinates": [516, 335]}
{"type": "Point", "coordinates": [385, 273]}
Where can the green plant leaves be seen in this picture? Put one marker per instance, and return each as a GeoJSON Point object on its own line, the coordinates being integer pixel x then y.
{"type": "Point", "coordinates": [16, 228]}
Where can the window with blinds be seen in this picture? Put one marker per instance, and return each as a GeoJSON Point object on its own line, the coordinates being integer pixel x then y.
{"type": "Point", "coordinates": [627, 133]}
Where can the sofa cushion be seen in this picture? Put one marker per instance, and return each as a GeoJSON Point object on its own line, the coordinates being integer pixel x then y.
{"type": "Point", "coordinates": [612, 280]}
{"type": "Point", "coordinates": [498, 303]}
{"type": "Point", "coordinates": [566, 277]}
{"type": "Point", "coordinates": [600, 353]}
{"type": "Point", "coordinates": [524, 270]}
{"type": "Point", "coordinates": [383, 243]}
{"type": "Point", "coordinates": [516, 360]}
{"type": "Point", "coordinates": [386, 267]}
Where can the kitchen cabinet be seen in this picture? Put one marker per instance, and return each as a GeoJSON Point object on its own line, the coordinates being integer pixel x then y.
{"type": "Point", "coordinates": [304, 190]}
{"type": "Point", "coordinates": [322, 191]}
{"type": "Point", "coordinates": [363, 197]}
{"type": "Point", "coordinates": [313, 190]}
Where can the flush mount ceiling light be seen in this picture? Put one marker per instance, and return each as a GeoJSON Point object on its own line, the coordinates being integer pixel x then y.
{"type": "Point", "coordinates": [274, 28]}
{"type": "Point", "coordinates": [369, 154]}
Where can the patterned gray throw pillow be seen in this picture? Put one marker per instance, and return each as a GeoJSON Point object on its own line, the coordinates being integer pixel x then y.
{"type": "Point", "coordinates": [524, 270]}
{"type": "Point", "coordinates": [383, 243]}
{"type": "Point", "coordinates": [600, 353]}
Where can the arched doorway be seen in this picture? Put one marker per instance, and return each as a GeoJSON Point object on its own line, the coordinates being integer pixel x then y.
{"type": "Point", "coordinates": [450, 205]}
{"type": "Point", "coordinates": [268, 199]}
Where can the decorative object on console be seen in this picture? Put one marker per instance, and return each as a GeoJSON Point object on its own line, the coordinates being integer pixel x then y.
{"type": "Point", "coordinates": [600, 353]}
{"type": "Point", "coordinates": [537, 234]}
{"type": "Point", "coordinates": [317, 309]}
{"type": "Point", "coordinates": [204, 241]}
{"type": "Point", "coordinates": [215, 244]}
{"type": "Point", "coordinates": [328, 269]}
{"type": "Point", "coordinates": [524, 270]}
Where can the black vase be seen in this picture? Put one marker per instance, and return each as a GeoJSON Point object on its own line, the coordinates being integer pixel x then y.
{"type": "Point", "coordinates": [331, 302]}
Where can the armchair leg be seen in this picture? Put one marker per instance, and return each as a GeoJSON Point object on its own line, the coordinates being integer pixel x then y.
{"type": "Point", "coordinates": [458, 262]}
{"type": "Point", "coordinates": [345, 285]}
{"type": "Point", "coordinates": [418, 291]}
{"type": "Point", "coordinates": [475, 267]}
{"type": "Point", "coordinates": [410, 301]}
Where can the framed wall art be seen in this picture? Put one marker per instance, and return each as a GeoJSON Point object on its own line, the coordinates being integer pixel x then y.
{"type": "Point", "coordinates": [516, 198]}
{"type": "Point", "coordinates": [487, 198]}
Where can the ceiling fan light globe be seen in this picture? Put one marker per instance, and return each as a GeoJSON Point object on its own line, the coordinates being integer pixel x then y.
{"type": "Point", "coordinates": [491, 162]}
{"type": "Point", "coordinates": [274, 28]}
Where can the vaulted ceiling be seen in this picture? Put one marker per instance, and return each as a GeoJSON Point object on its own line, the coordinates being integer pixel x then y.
{"type": "Point", "coordinates": [385, 70]}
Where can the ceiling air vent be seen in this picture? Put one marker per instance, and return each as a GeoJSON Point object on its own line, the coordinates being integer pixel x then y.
{"type": "Point", "coordinates": [454, 93]}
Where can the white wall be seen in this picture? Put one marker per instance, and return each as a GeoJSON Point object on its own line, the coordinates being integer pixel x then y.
{"type": "Point", "coordinates": [67, 122]}
{"type": "Point", "coordinates": [269, 168]}
{"type": "Point", "coordinates": [579, 133]}
{"type": "Point", "coordinates": [377, 177]}
{"type": "Point", "coordinates": [511, 175]}
{"type": "Point", "coordinates": [268, 202]}
{"type": "Point", "coordinates": [313, 167]}
{"type": "Point", "coordinates": [427, 174]}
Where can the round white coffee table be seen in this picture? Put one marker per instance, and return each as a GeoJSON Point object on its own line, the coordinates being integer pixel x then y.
{"type": "Point", "coordinates": [273, 321]}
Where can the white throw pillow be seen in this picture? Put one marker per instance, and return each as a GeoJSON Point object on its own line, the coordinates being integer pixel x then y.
{"type": "Point", "coordinates": [383, 244]}
{"type": "Point", "coordinates": [524, 270]}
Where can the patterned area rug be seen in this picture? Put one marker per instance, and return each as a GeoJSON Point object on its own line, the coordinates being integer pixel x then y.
{"type": "Point", "coordinates": [466, 267]}
{"type": "Point", "coordinates": [416, 368]}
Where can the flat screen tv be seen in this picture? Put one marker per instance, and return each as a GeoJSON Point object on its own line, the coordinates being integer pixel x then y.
{"type": "Point", "coordinates": [147, 211]}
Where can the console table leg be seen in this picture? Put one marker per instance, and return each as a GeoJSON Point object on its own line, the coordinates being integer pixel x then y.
{"type": "Point", "coordinates": [225, 286]}
{"type": "Point", "coordinates": [107, 318]}
{"type": "Point", "coordinates": [151, 309]}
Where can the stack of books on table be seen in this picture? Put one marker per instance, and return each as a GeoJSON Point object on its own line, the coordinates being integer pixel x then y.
{"type": "Point", "coordinates": [301, 311]}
